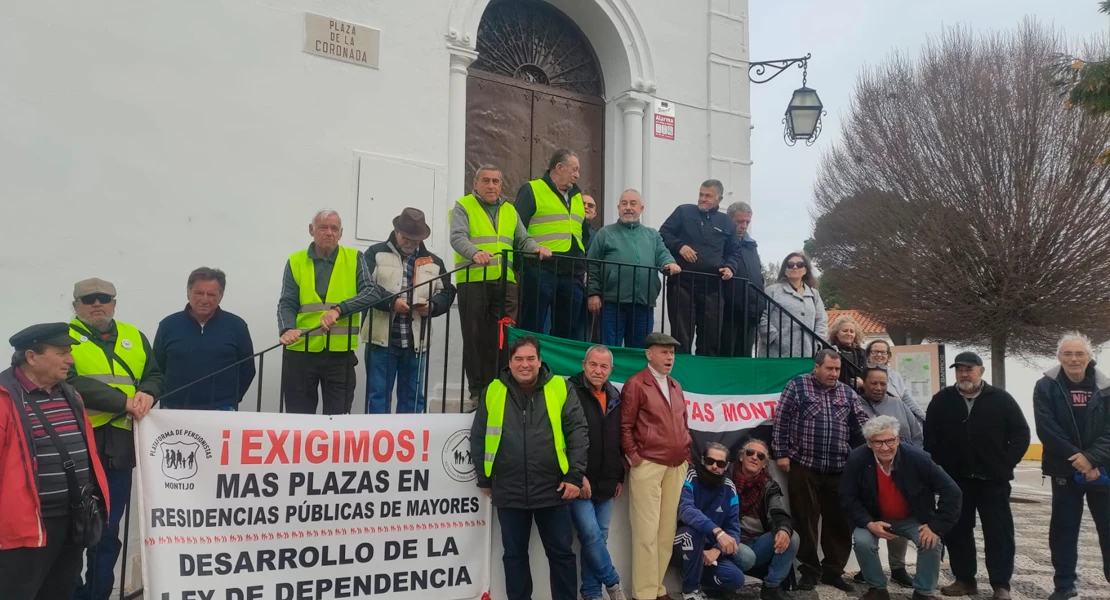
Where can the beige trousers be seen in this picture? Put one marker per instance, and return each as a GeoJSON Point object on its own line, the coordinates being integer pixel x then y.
{"type": "Point", "coordinates": [655, 491]}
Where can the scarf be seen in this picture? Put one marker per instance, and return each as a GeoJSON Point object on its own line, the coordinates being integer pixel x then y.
{"type": "Point", "coordinates": [750, 491]}
{"type": "Point", "coordinates": [708, 478]}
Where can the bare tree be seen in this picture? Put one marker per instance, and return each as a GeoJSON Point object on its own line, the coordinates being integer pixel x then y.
{"type": "Point", "coordinates": [964, 199]}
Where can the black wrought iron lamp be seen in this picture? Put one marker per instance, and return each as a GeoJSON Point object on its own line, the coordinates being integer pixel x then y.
{"type": "Point", "coordinates": [803, 114]}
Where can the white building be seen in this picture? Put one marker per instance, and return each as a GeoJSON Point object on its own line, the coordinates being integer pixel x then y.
{"type": "Point", "coordinates": [140, 140]}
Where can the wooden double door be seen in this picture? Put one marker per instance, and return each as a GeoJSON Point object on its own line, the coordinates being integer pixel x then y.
{"type": "Point", "coordinates": [517, 125]}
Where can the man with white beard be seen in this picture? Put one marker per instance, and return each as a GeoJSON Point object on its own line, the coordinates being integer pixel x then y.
{"type": "Point", "coordinates": [978, 434]}
{"type": "Point", "coordinates": [625, 296]}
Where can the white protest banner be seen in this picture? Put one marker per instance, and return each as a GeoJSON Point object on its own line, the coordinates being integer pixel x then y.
{"type": "Point", "coordinates": [253, 506]}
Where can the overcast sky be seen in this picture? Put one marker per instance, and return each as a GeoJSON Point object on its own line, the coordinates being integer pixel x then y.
{"type": "Point", "coordinates": [843, 37]}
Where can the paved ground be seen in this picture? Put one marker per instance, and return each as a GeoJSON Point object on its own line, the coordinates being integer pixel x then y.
{"type": "Point", "coordinates": [1033, 569]}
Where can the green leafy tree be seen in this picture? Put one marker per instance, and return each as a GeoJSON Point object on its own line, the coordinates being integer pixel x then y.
{"type": "Point", "coordinates": [1085, 84]}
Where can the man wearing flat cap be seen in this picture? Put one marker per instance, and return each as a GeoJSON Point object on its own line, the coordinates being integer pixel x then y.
{"type": "Point", "coordinates": [42, 418]}
{"type": "Point", "coordinates": [398, 329]}
{"type": "Point", "coordinates": [978, 434]}
{"type": "Point", "coordinates": [656, 444]}
{"type": "Point", "coordinates": [324, 291]}
{"type": "Point", "coordinates": [118, 378]}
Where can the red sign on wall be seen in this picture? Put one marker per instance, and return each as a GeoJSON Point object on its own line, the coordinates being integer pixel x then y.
{"type": "Point", "coordinates": [664, 120]}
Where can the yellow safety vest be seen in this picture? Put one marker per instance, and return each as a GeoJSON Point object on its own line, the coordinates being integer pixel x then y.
{"type": "Point", "coordinates": [552, 225]}
{"type": "Point", "coordinates": [485, 237]}
{"type": "Point", "coordinates": [90, 360]}
{"type": "Point", "coordinates": [554, 395]}
{"type": "Point", "coordinates": [343, 285]}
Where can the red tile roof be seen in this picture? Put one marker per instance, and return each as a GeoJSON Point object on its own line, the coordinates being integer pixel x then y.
{"type": "Point", "coordinates": [867, 324]}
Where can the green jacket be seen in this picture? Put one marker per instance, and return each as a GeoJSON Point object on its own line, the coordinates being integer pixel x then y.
{"type": "Point", "coordinates": [629, 243]}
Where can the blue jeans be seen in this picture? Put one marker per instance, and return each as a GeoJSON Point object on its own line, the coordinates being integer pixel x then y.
{"type": "Point", "coordinates": [550, 298]}
{"type": "Point", "coordinates": [100, 575]}
{"type": "Point", "coordinates": [384, 366]}
{"type": "Point", "coordinates": [928, 559]}
{"type": "Point", "coordinates": [626, 324]}
{"type": "Point", "coordinates": [591, 520]}
{"type": "Point", "coordinates": [761, 552]}
{"type": "Point", "coordinates": [1063, 528]}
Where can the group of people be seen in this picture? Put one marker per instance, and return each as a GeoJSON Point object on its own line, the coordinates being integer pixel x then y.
{"type": "Point", "coordinates": [557, 452]}
{"type": "Point", "coordinates": [860, 468]}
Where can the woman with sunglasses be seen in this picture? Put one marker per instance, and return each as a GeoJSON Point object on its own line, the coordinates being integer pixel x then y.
{"type": "Point", "coordinates": [879, 355]}
{"type": "Point", "coordinates": [768, 543]}
{"type": "Point", "coordinates": [781, 332]}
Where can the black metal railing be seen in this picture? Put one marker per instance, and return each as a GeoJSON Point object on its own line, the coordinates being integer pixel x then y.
{"type": "Point", "coordinates": [742, 317]}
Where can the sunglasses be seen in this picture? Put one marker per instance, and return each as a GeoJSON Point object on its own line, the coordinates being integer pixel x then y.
{"type": "Point", "coordinates": [795, 265]}
{"type": "Point", "coordinates": [756, 453]}
{"type": "Point", "coordinates": [709, 462]}
{"type": "Point", "coordinates": [94, 298]}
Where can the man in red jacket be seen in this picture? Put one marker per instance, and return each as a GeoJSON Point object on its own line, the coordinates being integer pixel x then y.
{"type": "Point", "coordinates": [38, 557]}
{"type": "Point", "coordinates": [656, 443]}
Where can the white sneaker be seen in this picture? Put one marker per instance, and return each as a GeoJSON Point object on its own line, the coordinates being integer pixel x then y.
{"type": "Point", "coordinates": [470, 404]}
{"type": "Point", "coordinates": [698, 595]}
{"type": "Point", "coordinates": [616, 593]}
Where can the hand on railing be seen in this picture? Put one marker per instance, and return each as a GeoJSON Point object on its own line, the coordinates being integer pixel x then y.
{"type": "Point", "coordinates": [290, 337]}
{"type": "Point", "coordinates": [544, 252]}
{"type": "Point", "coordinates": [329, 317]}
{"type": "Point", "coordinates": [481, 258]}
{"type": "Point", "coordinates": [672, 269]}
{"type": "Point", "coordinates": [726, 273]}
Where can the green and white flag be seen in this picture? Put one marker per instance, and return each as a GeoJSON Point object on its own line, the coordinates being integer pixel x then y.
{"type": "Point", "coordinates": [725, 397]}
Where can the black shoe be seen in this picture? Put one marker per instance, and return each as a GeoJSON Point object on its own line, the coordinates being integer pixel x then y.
{"type": "Point", "coordinates": [902, 577]}
{"type": "Point", "coordinates": [838, 582]}
{"type": "Point", "coordinates": [807, 582]}
{"type": "Point", "coordinates": [859, 578]}
{"type": "Point", "coordinates": [771, 593]}
{"type": "Point", "coordinates": [1063, 594]}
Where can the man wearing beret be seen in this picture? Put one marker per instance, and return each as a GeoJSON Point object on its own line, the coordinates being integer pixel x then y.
{"type": "Point", "coordinates": [38, 556]}
{"type": "Point", "coordinates": [118, 378]}
{"type": "Point", "coordinates": [978, 434]}
{"type": "Point", "coordinates": [656, 443]}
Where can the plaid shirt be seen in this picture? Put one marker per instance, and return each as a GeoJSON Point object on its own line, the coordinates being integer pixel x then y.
{"type": "Point", "coordinates": [400, 333]}
{"type": "Point", "coordinates": [814, 425]}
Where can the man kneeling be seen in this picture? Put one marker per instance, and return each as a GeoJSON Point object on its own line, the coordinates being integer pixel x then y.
{"type": "Point", "coordinates": [708, 527]}
{"type": "Point", "coordinates": [888, 491]}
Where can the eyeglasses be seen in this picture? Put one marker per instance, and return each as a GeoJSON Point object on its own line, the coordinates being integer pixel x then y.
{"type": "Point", "coordinates": [94, 298]}
{"type": "Point", "coordinates": [889, 443]}
{"type": "Point", "coordinates": [749, 452]}
{"type": "Point", "coordinates": [795, 265]}
{"type": "Point", "coordinates": [709, 462]}
{"type": "Point", "coordinates": [879, 353]}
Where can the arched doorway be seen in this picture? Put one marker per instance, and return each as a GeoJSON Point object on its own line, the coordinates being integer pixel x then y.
{"type": "Point", "coordinates": [535, 87]}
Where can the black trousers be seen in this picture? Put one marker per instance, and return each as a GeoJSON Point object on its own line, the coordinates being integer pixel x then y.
{"type": "Point", "coordinates": [694, 308]}
{"type": "Point", "coordinates": [738, 339]}
{"type": "Point", "coordinates": [992, 500]}
{"type": "Point", "coordinates": [818, 515]}
{"type": "Point", "coordinates": [47, 573]}
{"type": "Point", "coordinates": [304, 374]}
{"type": "Point", "coordinates": [555, 527]}
{"type": "Point", "coordinates": [480, 307]}
{"type": "Point", "coordinates": [1063, 528]}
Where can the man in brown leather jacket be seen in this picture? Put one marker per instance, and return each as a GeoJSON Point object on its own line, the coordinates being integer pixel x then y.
{"type": "Point", "coordinates": [656, 443]}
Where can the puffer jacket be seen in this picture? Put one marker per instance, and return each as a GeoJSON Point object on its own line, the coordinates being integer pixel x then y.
{"type": "Point", "coordinates": [653, 428]}
{"type": "Point", "coordinates": [526, 471]}
{"type": "Point", "coordinates": [777, 338]}
{"type": "Point", "coordinates": [1057, 429]}
{"type": "Point", "coordinates": [605, 463]}
{"type": "Point", "coordinates": [632, 244]}
{"type": "Point", "coordinates": [386, 267]}
{"type": "Point", "coordinates": [21, 525]}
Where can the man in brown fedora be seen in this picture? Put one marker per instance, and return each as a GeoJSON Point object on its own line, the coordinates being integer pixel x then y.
{"type": "Point", "coordinates": [398, 329]}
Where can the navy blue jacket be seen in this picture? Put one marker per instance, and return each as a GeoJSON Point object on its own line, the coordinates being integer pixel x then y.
{"type": "Point", "coordinates": [1058, 431]}
{"type": "Point", "coordinates": [914, 474]}
{"type": "Point", "coordinates": [186, 352]}
{"type": "Point", "coordinates": [705, 508]}
{"type": "Point", "coordinates": [711, 234]}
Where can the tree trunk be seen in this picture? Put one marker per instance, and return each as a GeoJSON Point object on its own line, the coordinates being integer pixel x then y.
{"type": "Point", "coordinates": [998, 361]}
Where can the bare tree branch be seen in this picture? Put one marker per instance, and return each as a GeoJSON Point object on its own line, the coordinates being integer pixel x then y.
{"type": "Point", "coordinates": [965, 200]}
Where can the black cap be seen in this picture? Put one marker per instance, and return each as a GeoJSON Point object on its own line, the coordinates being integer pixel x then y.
{"type": "Point", "coordinates": [51, 334]}
{"type": "Point", "coordinates": [967, 359]}
{"type": "Point", "coordinates": [656, 338]}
